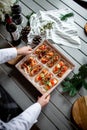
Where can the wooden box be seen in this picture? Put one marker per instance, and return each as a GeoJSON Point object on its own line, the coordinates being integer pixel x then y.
{"type": "Point", "coordinates": [46, 67]}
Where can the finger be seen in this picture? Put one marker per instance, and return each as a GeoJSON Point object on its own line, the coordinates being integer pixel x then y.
{"type": "Point", "coordinates": [48, 97]}
{"type": "Point", "coordinates": [30, 49]}
{"type": "Point", "coordinates": [45, 95]}
{"type": "Point", "coordinates": [29, 46]}
{"type": "Point", "coordinates": [38, 97]}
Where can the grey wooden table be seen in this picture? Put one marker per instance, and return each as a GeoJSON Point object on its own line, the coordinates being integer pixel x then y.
{"type": "Point", "coordinates": [57, 114]}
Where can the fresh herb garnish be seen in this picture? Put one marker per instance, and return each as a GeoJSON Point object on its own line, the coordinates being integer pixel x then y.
{"type": "Point", "coordinates": [78, 80]}
{"type": "Point", "coordinates": [49, 26]}
{"type": "Point", "coordinates": [64, 17]}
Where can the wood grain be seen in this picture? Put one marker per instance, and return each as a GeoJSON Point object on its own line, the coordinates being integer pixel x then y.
{"type": "Point", "coordinates": [79, 112]}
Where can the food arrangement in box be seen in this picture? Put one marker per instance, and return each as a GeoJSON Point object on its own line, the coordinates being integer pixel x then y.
{"type": "Point", "coordinates": [45, 67]}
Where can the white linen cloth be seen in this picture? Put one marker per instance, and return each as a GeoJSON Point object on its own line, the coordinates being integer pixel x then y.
{"type": "Point", "coordinates": [26, 119]}
{"type": "Point", "coordinates": [62, 32]}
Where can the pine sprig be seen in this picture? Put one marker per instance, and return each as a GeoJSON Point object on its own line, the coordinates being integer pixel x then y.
{"type": "Point", "coordinates": [73, 85]}
{"type": "Point", "coordinates": [64, 17]}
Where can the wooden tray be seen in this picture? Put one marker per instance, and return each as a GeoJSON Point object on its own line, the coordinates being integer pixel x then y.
{"type": "Point", "coordinates": [45, 87]}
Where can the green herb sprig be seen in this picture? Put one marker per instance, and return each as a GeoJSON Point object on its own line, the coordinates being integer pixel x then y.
{"type": "Point", "coordinates": [78, 80]}
{"type": "Point", "coordinates": [64, 17]}
{"type": "Point", "coordinates": [49, 26]}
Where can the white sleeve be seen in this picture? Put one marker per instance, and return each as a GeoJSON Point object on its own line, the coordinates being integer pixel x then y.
{"type": "Point", "coordinates": [26, 119]}
{"type": "Point", "coordinates": [7, 54]}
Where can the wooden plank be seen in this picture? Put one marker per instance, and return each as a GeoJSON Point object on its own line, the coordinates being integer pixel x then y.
{"type": "Point", "coordinates": [4, 32]}
{"type": "Point", "coordinates": [31, 5]}
{"type": "Point", "coordinates": [3, 43]}
{"type": "Point", "coordinates": [81, 24]}
{"type": "Point", "coordinates": [24, 23]}
{"type": "Point", "coordinates": [83, 47]}
{"type": "Point", "coordinates": [49, 109]}
{"type": "Point", "coordinates": [80, 10]}
{"type": "Point", "coordinates": [56, 116]}
{"type": "Point", "coordinates": [50, 5]}
{"type": "Point", "coordinates": [66, 95]}
{"type": "Point", "coordinates": [81, 33]}
{"type": "Point", "coordinates": [24, 85]}
{"type": "Point", "coordinates": [25, 10]}
{"type": "Point", "coordinates": [83, 91]}
{"type": "Point", "coordinates": [61, 103]}
{"type": "Point", "coordinates": [79, 28]}
{"type": "Point", "coordinates": [44, 4]}
{"type": "Point", "coordinates": [45, 124]}
{"type": "Point", "coordinates": [76, 54]}
{"type": "Point", "coordinates": [14, 91]}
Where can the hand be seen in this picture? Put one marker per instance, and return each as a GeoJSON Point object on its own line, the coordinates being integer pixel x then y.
{"type": "Point", "coordinates": [44, 99]}
{"type": "Point", "coordinates": [24, 50]}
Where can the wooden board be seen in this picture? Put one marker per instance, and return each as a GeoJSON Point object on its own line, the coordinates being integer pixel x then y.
{"type": "Point", "coordinates": [15, 60]}
{"type": "Point", "coordinates": [79, 112]}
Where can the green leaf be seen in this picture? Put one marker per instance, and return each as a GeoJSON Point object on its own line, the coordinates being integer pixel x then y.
{"type": "Point", "coordinates": [66, 83]}
{"type": "Point", "coordinates": [67, 79]}
{"type": "Point", "coordinates": [66, 89]}
{"type": "Point", "coordinates": [73, 92]}
{"type": "Point", "coordinates": [67, 86]}
{"type": "Point", "coordinates": [28, 16]}
{"type": "Point", "coordinates": [83, 71]}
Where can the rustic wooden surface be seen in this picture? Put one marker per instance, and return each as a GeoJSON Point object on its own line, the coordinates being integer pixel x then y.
{"type": "Point", "coordinates": [57, 114]}
{"type": "Point", "coordinates": [79, 112]}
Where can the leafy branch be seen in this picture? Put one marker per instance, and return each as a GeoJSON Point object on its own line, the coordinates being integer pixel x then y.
{"type": "Point", "coordinates": [78, 80]}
